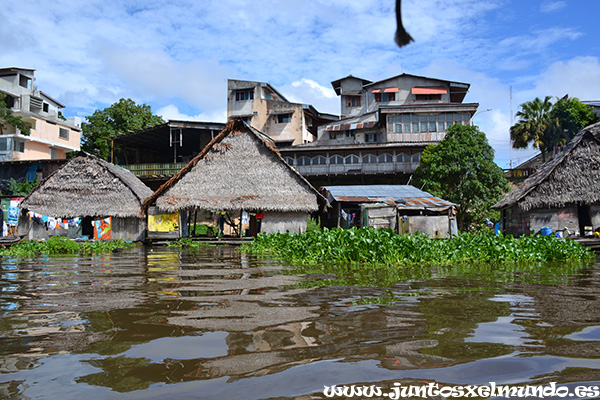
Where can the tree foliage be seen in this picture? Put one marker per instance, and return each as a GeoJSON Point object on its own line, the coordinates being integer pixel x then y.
{"type": "Point", "coordinates": [8, 118]}
{"type": "Point", "coordinates": [547, 125]}
{"type": "Point", "coordinates": [461, 169]}
{"type": "Point", "coordinates": [121, 117]}
{"type": "Point", "coordinates": [572, 116]}
{"type": "Point", "coordinates": [21, 188]}
{"type": "Point", "coordinates": [534, 125]}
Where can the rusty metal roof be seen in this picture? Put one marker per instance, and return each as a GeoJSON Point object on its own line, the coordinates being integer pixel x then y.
{"type": "Point", "coordinates": [404, 196]}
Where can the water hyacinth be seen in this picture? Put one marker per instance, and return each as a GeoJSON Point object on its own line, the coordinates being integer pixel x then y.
{"type": "Point", "coordinates": [63, 245]}
{"type": "Point", "coordinates": [384, 247]}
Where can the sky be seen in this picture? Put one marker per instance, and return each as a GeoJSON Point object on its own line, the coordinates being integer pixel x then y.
{"type": "Point", "coordinates": [176, 56]}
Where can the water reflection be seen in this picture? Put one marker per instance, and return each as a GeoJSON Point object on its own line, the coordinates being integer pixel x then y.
{"type": "Point", "coordinates": [150, 323]}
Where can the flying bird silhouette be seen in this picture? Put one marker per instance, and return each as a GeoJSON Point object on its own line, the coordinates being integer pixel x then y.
{"type": "Point", "coordinates": [402, 37]}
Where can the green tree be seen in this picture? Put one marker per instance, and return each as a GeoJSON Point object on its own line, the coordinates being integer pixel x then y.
{"type": "Point", "coordinates": [535, 125]}
{"type": "Point", "coordinates": [572, 116]}
{"type": "Point", "coordinates": [461, 169]}
{"type": "Point", "coordinates": [547, 125]}
{"type": "Point", "coordinates": [21, 188]}
{"type": "Point", "coordinates": [104, 125]}
{"type": "Point", "coordinates": [8, 118]}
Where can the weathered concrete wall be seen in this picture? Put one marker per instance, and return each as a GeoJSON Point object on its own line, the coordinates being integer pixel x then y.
{"type": "Point", "coordinates": [518, 223]}
{"type": "Point", "coordinates": [595, 214]}
{"type": "Point", "coordinates": [293, 222]}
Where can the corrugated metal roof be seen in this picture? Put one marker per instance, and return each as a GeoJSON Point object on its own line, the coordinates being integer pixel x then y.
{"type": "Point", "coordinates": [405, 196]}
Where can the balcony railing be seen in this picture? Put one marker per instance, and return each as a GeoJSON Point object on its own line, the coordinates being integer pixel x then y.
{"type": "Point", "coordinates": [358, 168]}
{"type": "Point", "coordinates": [154, 169]}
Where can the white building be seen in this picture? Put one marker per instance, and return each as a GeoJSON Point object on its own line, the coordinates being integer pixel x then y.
{"type": "Point", "coordinates": [50, 136]}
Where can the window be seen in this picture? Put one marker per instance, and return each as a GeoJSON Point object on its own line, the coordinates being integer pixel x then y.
{"type": "Point", "coordinates": [369, 159]}
{"type": "Point", "coordinates": [45, 107]}
{"type": "Point", "coordinates": [416, 157]}
{"type": "Point", "coordinates": [243, 95]}
{"type": "Point", "coordinates": [415, 127]}
{"type": "Point", "coordinates": [441, 126]}
{"type": "Point", "coordinates": [289, 160]}
{"type": "Point", "coordinates": [352, 159]}
{"type": "Point", "coordinates": [353, 101]}
{"type": "Point", "coordinates": [385, 97]}
{"type": "Point", "coordinates": [284, 118]}
{"type": "Point", "coordinates": [319, 160]}
{"type": "Point", "coordinates": [303, 160]}
{"type": "Point", "coordinates": [24, 82]}
{"type": "Point", "coordinates": [336, 159]}
{"type": "Point", "coordinates": [400, 158]}
{"type": "Point", "coordinates": [395, 123]}
{"type": "Point", "coordinates": [428, 97]}
{"type": "Point", "coordinates": [385, 158]}
{"type": "Point", "coordinates": [19, 146]}
{"type": "Point", "coordinates": [431, 126]}
{"type": "Point", "coordinates": [371, 137]}
{"type": "Point", "coordinates": [53, 155]}
{"type": "Point", "coordinates": [4, 143]}
{"type": "Point", "coordinates": [63, 133]}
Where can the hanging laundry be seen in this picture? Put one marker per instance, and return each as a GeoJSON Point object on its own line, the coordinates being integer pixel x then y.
{"type": "Point", "coordinates": [102, 228]}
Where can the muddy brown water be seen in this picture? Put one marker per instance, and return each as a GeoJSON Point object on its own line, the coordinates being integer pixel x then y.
{"type": "Point", "coordinates": [212, 323]}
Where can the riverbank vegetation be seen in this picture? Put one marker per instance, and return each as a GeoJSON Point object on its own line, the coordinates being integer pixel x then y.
{"type": "Point", "coordinates": [63, 245]}
{"type": "Point", "coordinates": [369, 246]}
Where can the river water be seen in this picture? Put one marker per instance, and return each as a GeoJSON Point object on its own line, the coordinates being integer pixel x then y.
{"type": "Point", "coordinates": [211, 323]}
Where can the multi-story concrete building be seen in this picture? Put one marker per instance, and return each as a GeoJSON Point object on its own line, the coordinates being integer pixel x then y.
{"type": "Point", "coordinates": [261, 106]}
{"type": "Point", "coordinates": [50, 137]}
{"type": "Point", "coordinates": [384, 128]}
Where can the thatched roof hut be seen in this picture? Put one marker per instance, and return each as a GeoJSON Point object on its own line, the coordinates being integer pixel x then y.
{"type": "Point", "coordinates": [240, 169]}
{"type": "Point", "coordinates": [88, 185]}
{"type": "Point", "coordinates": [571, 178]}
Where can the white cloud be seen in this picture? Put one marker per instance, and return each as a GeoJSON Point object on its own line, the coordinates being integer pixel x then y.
{"type": "Point", "coordinates": [307, 91]}
{"type": "Point", "coordinates": [552, 6]}
{"type": "Point", "coordinates": [577, 77]}
{"type": "Point", "coordinates": [171, 112]}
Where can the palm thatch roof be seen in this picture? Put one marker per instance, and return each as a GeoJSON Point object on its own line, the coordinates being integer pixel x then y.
{"type": "Point", "coordinates": [571, 178]}
{"type": "Point", "coordinates": [88, 185]}
{"type": "Point", "coordinates": [240, 169]}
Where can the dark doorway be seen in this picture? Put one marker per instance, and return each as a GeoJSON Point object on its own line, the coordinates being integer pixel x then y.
{"type": "Point", "coordinates": [86, 227]}
{"type": "Point", "coordinates": [585, 218]}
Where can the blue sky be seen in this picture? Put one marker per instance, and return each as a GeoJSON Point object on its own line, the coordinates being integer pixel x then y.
{"type": "Point", "coordinates": [176, 56]}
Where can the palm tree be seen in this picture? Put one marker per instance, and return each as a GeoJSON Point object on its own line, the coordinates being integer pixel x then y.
{"type": "Point", "coordinates": [534, 125]}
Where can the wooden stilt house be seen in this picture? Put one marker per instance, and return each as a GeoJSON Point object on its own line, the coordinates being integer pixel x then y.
{"type": "Point", "coordinates": [242, 179]}
{"type": "Point", "coordinates": [87, 197]}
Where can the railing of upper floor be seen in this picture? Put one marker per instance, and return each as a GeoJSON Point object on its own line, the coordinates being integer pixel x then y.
{"type": "Point", "coordinates": [154, 169]}
{"type": "Point", "coordinates": [359, 168]}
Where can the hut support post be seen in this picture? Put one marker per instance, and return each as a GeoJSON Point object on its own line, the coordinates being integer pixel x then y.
{"type": "Point", "coordinates": [195, 218]}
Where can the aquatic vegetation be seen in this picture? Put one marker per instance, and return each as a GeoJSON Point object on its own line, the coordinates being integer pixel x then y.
{"type": "Point", "coordinates": [384, 247]}
{"type": "Point", "coordinates": [63, 245]}
{"type": "Point", "coordinates": [338, 257]}
{"type": "Point", "coordinates": [186, 242]}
